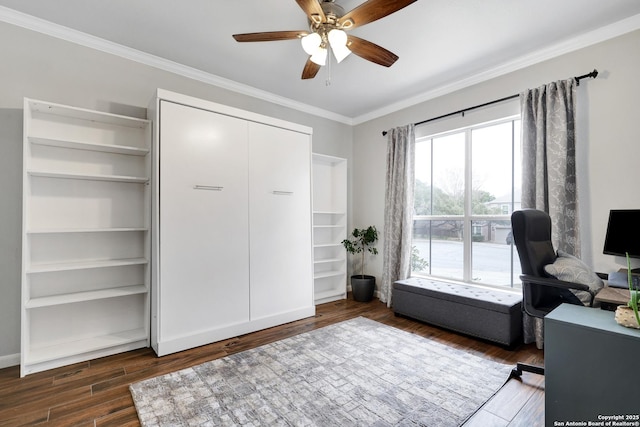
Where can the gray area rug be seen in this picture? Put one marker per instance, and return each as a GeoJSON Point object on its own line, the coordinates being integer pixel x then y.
{"type": "Point", "coordinates": [354, 373]}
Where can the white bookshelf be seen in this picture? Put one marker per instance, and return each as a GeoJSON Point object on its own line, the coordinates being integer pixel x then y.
{"type": "Point", "coordinates": [86, 236]}
{"type": "Point", "coordinates": [329, 227]}
{"type": "Point", "coordinates": [48, 356]}
{"type": "Point", "coordinates": [89, 177]}
{"type": "Point", "coordinates": [84, 265]}
{"type": "Point", "coordinates": [81, 145]}
{"type": "Point", "coordinates": [74, 297]}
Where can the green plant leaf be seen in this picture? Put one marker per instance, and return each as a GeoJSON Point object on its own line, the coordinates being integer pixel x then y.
{"type": "Point", "coordinates": [362, 240]}
{"type": "Point", "coordinates": [634, 294]}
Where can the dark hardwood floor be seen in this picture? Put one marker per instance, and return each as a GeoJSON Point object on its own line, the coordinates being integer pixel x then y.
{"type": "Point", "coordinates": [96, 393]}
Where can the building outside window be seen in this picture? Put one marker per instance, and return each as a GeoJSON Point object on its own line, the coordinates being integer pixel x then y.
{"type": "Point", "coordinates": [468, 183]}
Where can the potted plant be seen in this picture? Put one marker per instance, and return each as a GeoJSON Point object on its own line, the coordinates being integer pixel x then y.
{"type": "Point", "coordinates": [362, 286]}
{"type": "Point", "coordinates": [627, 315]}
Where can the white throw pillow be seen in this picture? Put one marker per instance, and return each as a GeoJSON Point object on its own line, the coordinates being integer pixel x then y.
{"type": "Point", "coordinates": [570, 269]}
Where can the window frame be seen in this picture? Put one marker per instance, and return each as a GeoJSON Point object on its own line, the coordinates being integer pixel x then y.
{"type": "Point", "coordinates": [468, 218]}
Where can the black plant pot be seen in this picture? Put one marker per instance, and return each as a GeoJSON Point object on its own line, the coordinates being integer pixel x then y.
{"type": "Point", "coordinates": [362, 287]}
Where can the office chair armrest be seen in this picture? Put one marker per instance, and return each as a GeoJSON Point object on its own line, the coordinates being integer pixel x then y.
{"type": "Point", "coordinates": [556, 283]}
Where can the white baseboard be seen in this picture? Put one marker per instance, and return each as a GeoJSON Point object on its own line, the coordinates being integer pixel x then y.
{"type": "Point", "coordinates": [9, 360]}
{"type": "Point", "coordinates": [184, 342]}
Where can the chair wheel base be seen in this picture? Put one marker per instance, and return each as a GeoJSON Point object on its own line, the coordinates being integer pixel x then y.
{"type": "Point", "coordinates": [523, 367]}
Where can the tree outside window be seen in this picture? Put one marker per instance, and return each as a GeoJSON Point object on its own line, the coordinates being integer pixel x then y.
{"type": "Point", "coordinates": [467, 185]}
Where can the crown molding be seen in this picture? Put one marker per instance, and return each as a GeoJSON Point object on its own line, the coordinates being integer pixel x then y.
{"type": "Point", "coordinates": [616, 29]}
{"type": "Point", "coordinates": [64, 33]}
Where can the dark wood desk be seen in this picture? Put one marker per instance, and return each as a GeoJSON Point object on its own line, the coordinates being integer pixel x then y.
{"type": "Point", "coordinates": [610, 298]}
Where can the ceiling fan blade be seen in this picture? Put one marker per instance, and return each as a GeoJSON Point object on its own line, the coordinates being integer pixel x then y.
{"type": "Point", "coordinates": [269, 36]}
{"type": "Point", "coordinates": [371, 51]}
{"type": "Point", "coordinates": [310, 69]}
{"type": "Point", "coordinates": [370, 11]}
{"type": "Point", "coordinates": [313, 10]}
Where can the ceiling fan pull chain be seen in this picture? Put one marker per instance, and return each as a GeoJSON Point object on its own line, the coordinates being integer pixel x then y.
{"type": "Point", "coordinates": [327, 82]}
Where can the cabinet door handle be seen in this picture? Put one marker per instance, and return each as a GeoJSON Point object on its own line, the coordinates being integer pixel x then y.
{"type": "Point", "coordinates": [208, 187]}
{"type": "Point", "coordinates": [282, 193]}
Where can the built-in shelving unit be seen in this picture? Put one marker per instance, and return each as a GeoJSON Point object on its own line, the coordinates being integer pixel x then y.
{"type": "Point", "coordinates": [105, 148]}
{"type": "Point", "coordinates": [90, 177]}
{"type": "Point", "coordinates": [86, 237]}
{"type": "Point", "coordinates": [329, 227]}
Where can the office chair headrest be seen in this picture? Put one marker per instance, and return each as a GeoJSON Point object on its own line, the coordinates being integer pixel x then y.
{"type": "Point", "coordinates": [532, 237]}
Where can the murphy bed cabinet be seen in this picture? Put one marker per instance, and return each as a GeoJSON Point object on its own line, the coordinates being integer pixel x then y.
{"type": "Point", "coordinates": [232, 222]}
{"type": "Point", "coordinates": [86, 239]}
{"type": "Point", "coordinates": [329, 228]}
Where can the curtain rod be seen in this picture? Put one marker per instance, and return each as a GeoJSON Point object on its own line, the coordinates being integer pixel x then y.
{"type": "Point", "coordinates": [592, 74]}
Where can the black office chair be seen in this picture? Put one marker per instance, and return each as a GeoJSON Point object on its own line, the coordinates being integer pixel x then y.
{"type": "Point", "coordinates": [540, 292]}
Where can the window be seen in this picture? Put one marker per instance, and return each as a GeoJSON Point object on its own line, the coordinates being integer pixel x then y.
{"type": "Point", "coordinates": [467, 185]}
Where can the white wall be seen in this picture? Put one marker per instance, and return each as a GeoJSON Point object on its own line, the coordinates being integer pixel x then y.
{"type": "Point", "coordinates": [37, 66]}
{"type": "Point", "coordinates": [608, 147]}
{"type": "Point", "coordinates": [41, 67]}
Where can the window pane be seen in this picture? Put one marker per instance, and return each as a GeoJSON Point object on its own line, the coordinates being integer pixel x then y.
{"type": "Point", "coordinates": [420, 247]}
{"type": "Point", "coordinates": [422, 192]}
{"type": "Point", "coordinates": [517, 167]}
{"type": "Point", "coordinates": [473, 191]}
{"type": "Point", "coordinates": [491, 170]}
{"type": "Point", "coordinates": [447, 253]}
{"type": "Point", "coordinates": [493, 253]}
{"type": "Point", "coordinates": [437, 248]}
{"type": "Point", "coordinates": [448, 175]}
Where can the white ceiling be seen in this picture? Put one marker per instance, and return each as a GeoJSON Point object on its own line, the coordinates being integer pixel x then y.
{"type": "Point", "coordinates": [443, 45]}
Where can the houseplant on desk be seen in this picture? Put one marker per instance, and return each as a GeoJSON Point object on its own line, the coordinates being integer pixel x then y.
{"type": "Point", "coordinates": [362, 286]}
{"type": "Point", "coordinates": [627, 315]}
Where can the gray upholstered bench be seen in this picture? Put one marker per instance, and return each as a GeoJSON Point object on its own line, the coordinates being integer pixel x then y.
{"type": "Point", "coordinates": [490, 314]}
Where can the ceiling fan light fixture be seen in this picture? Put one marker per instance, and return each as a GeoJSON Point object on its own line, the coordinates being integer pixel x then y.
{"type": "Point", "coordinates": [316, 18]}
{"type": "Point", "coordinates": [340, 53]}
{"type": "Point", "coordinates": [327, 22]}
{"type": "Point", "coordinates": [311, 43]}
{"type": "Point", "coordinates": [338, 42]}
{"type": "Point", "coordinates": [347, 23]}
{"type": "Point", "coordinates": [320, 57]}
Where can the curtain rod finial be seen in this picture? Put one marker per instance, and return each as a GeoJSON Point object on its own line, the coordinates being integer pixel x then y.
{"type": "Point", "coordinates": [592, 75]}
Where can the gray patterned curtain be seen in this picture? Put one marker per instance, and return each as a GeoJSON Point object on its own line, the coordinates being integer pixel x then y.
{"type": "Point", "coordinates": [549, 168]}
{"type": "Point", "coordinates": [398, 210]}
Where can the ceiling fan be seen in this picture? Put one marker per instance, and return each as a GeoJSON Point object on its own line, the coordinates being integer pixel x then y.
{"type": "Point", "coordinates": [327, 25]}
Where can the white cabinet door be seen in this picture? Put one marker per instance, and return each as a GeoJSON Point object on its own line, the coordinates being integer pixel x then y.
{"type": "Point", "coordinates": [204, 238]}
{"type": "Point", "coordinates": [280, 220]}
